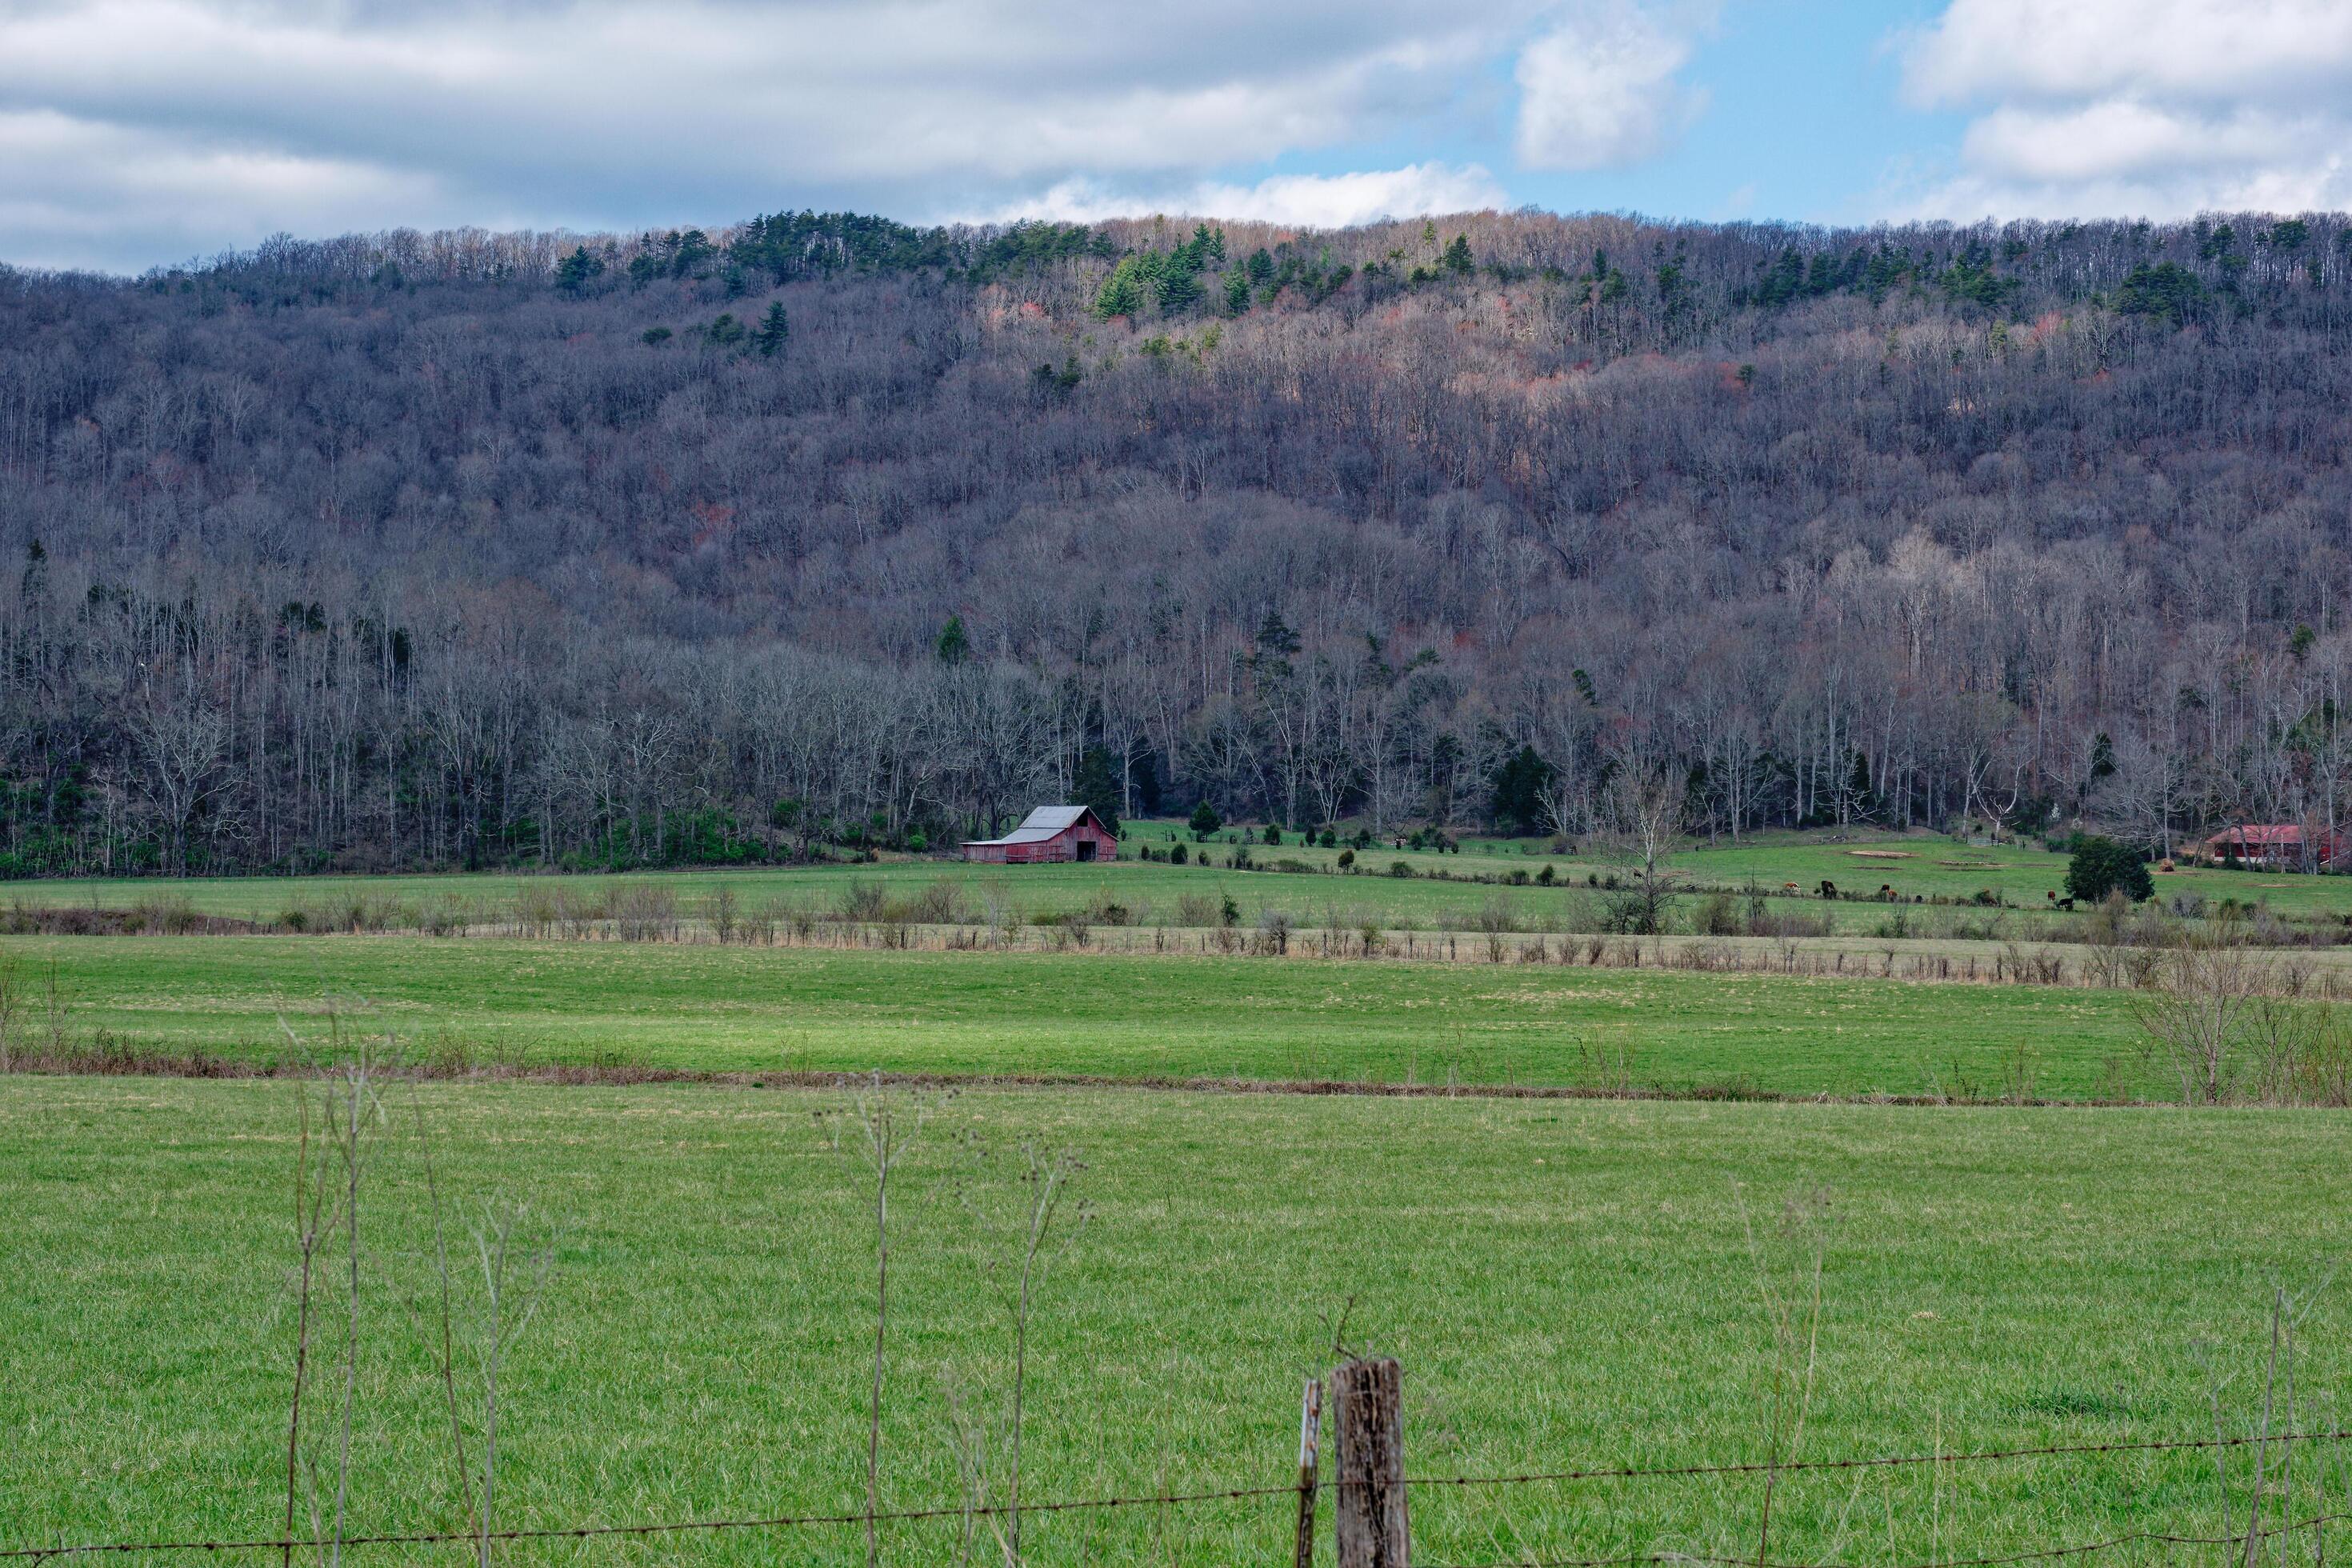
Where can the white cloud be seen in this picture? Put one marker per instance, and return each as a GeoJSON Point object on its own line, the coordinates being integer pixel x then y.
{"type": "Point", "coordinates": [73, 184]}
{"type": "Point", "coordinates": [2160, 108]}
{"type": "Point", "coordinates": [593, 113]}
{"type": "Point", "coordinates": [2208, 49]}
{"type": "Point", "coordinates": [1308, 201]}
{"type": "Point", "coordinates": [1599, 90]}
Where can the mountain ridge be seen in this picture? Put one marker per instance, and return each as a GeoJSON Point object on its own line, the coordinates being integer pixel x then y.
{"type": "Point", "coordinates": [1907, 524]}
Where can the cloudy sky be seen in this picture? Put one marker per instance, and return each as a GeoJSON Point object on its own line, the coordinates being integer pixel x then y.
{"type": "Point", "coordinates": [138, 133]}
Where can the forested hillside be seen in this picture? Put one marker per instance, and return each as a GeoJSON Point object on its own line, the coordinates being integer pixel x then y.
{"type": "Point", "coordinates": [475, 549]}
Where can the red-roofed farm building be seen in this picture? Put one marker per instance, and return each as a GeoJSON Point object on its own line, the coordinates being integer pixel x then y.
{"type": "Point", "coordinates": [1048, 833]}
{"type": "Point", "coordinates": [2283, 846]}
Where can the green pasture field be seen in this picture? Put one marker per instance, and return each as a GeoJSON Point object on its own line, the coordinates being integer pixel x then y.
{"type": "Point", "coordinates": [1936, 865]}
{"type": "Point", "coordinates": [1921, 864]}
{"type": "Point", "coordinates": [1930, 867]}
{"type": "Point", "coordinates": [706, 1006]}
{"type": "Point", "coordinates": [1568, 1285]}
{"type": "Point", "coordinates": [1151, 892]}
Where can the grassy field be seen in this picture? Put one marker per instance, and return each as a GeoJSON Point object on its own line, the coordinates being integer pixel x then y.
{"type": "Point", "coordinates": [1444, 891]}
{"type": "Point", "coordinates": [1568, 1285]}
{"type": "Point", "coordinates": [1925, 864]}
{"type": "Point", "coordinates": [1151, 892]}
{"type": "Point", "coordinates": [752, 1009]}
{"type": "Point", "coordinates": [1934, 866]}
{"type": "Point", "coordinates": [2025, 878]}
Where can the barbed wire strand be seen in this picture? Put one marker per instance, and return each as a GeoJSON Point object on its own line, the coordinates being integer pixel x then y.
{"type": "Point", "coordinates": [40, 1554]}
{"type": "Point", "coordinates": [2045, 1554]}
{"type": "Point", "coordinates": [1785, 1466]}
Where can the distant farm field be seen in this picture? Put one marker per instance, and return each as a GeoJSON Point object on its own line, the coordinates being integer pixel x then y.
{"type": "Point", "coordinates": [706, 1006]}
{"type": "Point", "coordinates": [1933, 865]}
{"type": "Point", "coordinates": [1568, 1285]}
{"type": "Point", "coordinates": [1442, 891]}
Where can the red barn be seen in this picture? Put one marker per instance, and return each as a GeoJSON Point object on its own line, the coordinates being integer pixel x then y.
{"type": "Point", "coordinates": [1048, 833]}
{"type": "Point", "coordinates": [2281, 846]}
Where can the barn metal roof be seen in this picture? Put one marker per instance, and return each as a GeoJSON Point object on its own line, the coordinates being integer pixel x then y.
{"type": "Point", "coordinates": [2260, 833]}
{"type": "Point", "coordinates": [1039, 825]}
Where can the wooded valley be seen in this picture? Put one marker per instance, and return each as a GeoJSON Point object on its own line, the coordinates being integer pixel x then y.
{"type": "Point", "coordinates": [467, 548]}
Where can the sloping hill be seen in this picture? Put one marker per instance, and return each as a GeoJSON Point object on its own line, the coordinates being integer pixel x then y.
{"type": "Point", "coordinates": [468, 548]}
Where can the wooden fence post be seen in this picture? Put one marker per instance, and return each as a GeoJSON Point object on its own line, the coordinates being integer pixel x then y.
{"type": "Point", "coordinates": [1368, 1412]}
{"type": "Point", "coordinates": [1310, 1453]}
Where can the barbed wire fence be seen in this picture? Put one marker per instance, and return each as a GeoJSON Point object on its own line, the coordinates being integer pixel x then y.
{"type": "Point", "coordinates": [1369, 1493]}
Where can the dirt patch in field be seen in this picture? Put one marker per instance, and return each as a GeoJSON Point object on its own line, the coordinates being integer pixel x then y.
{"type": "Point", "coordinates": [118, 1062]}
{"type": "Point", "coordinates": [23, 920]}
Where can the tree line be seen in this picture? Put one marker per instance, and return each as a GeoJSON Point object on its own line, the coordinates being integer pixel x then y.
{"type": "Point", "coordinates": [473, 548]}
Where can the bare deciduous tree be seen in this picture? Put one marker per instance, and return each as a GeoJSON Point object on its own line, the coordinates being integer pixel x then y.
{"type": "Point", "coordinates": [1646, 812]}
{"type": "Point", "coordinates": [2201, 1008]}
{"type": "Point", "coordinates": [183, 742]}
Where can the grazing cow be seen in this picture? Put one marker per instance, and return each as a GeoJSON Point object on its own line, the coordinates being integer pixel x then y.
{"type": "Point", "coordinates": [1886, 892]}
{"type": "Point", "coordinates": [1829, 888]}
{"type": "Point", "coordinates": [2065, 903]}
{"type": "Point", "coordinates": [1787, 887]}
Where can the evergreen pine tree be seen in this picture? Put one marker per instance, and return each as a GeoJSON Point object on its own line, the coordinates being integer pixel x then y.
{"type": "Point", "coordinates": [1097, 787]}
{"type": "Point", "coordinates": [1122, 292]}
{"type": "Point", "coordinates": [774, 331]}
{"type": "Point", "coordinates": [2102, 866]}
{"type": "Point", "coordinates": [577, 270]}
{"type": "Point", "coordinates": [1180, 281]}
{"type": "Point", "coordinates": [1520, 784]}
{"type": "Point", "coordinates": [954, 645]}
